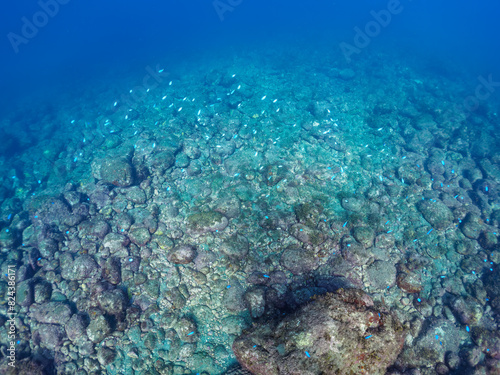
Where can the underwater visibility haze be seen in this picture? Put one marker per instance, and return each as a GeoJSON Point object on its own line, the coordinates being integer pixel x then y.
{"type": "Point", "coordinates": [249, 187]}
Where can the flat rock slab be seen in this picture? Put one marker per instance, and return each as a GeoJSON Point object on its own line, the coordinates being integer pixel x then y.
{"type": "Point", "coordinates": [204, 222]}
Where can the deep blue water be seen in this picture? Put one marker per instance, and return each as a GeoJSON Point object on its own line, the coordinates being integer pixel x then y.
{"type": "Point", "coordinates": [88, 40]}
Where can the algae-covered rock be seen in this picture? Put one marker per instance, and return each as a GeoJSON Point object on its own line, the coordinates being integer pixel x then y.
{"type": "Point", "coordinates": [307, 235]}
{"type": "Point", "coordinates": [98, 329]}
{"type": "Point", "coordinates": [204, 222]}
{"type": "Point", "coordinates": [117, 172]}
{"type": "Point", "coordinates": [352, 204]}
{"type": "Point", "coordinates": [436, 213]}
{"type": "Point", "coordinates": [7, 238]}
{"type": "Point", "coordinates": [81, 268]}
{"type": "Point", "coordinates": [337, 333]}
{"type": "Point", "coordinates": [364, 235]}
{"type": "Point", "coordinates": [182, 254]}
{"type": "Point", "coordinates": [235, 246]}
{"type": "Point", "coordinates": [298, 260]}
{"type": "Point", "coordinates": [308, 213]}
{"type": "Point", "coordinates": [471, 226]}
{"type": "Point", "coordinates": [140, 236]}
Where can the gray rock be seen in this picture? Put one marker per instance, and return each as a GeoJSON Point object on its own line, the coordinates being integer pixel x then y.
{"type": "Point", "coordinates": [24, 293]}
{"type": "Point", "coordinates": [354, 252]}
{"type": "Point", "coordinates": [194, 168]}
{"type": "Point", "coordinates": [364, 235]}
{"type": "Point", "coordinates": [181, 160]}
{"type": "Point", "coordinates": [298, 260]}
{"type": "Point", "coordinates": [452, 360]}
{"type": "Point", "coordinates": [111, 269]}
{"type": "Point", "coordinates": [98, 329]}
{"type": "Point", "coordinates": [204, 222]}
{"type": "Point", "coordinates": [488, 240]}
{"type": "Point", "coordinates": [115, 242]}
{"type": "Point", "coordinates": [192, 150]}
{"type": "Point", "coordinates": [7, 238]}
{"type": "Point", "coordinates": [83, 267]}
{"type": "Point", "coordinates": [163, 242]}
{"type": "Point", "coordinates": [136, 195]}
{"type": "Point", "coordinates": [123, 221]}
{"type": "Point", "coordinates": [235, 246]}
{"type": "Point", "coordinates": [174, 299]}
{"type": "Point", "coordinates": [144, 218]}
{"type": "Point", "coordinates": [471, 226]}
{"type": "Point", "coordinates": [52, 211]}
{"type": "Point", "coordinates": [182, 254]}
{"type": "Point", "coordinates": [385, 241]}
{"type": "Point", "coordinates": [308, 213]}
{"type": "Point", "coordinates": [409, 281]}
{"type": "Point", "coordinates": [117, 172]}
{"type": "Point", "coordinates": [436, 213]}
{"type": "Point", "coordinates": [161, 161]}
{"type": "Point", "coordinates": [94, 228]}
{"type": "Point", "coordinates": [256, 301]}
{"type": "Point", "coordinates": [51, 313]}
{"type": "Point", "coordinates": [319, 109]}
{"type": "Point", "coordinates": [72, 197]}
{"type": "Point", "coordinates": [234, 296]}
{"type": "Point", "coordinates": [140, 236]}
{"type": "Point", "coordinates": [186, 329]}
{"type": "Point", "coordinates": [47, 247]}
{"type": "Point", "coordinates": [76, 328]}
{"type": "Point", "coordinates": [435, 167]}
{"type": "Point", "coordinates": [224, 148]}
{"type": "Point", "coordinates": [352, 204]}
{"type": "Point", "coordinates": [304, 295]}
{"type": "Point", "coordinates": [43, 291]}
{"type": "Point", "coordinates": [50, 336]}
{"type": "Point", "coordinates": [307, 235]}
{"type": "Point", "coordinates": [468, 310]}
{"type": "Point", "coordinates": [105, 355]}
{"type": "Point", "coordinates": [382, 274]}
{"type": "Point", "coordinates": [113, 302]}
{"type": "Point", "coordinates": [234, 324]}
{"type": "Point", "coordinates": [420, 141]}
{"type": "Point", "coordinates": [229, 206]}
{"type": "Point", "coordinates": [100, 195]}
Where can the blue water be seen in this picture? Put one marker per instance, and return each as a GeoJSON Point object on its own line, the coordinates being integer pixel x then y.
{"type": "Point", "coordinates": [329, 126]}
{"type": "Point", "coordinates": [79, 42]}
